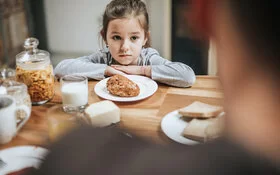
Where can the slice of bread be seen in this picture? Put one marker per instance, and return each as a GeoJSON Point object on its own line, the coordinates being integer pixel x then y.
{"type": "Point", "coordinates": [200, 110]}
{"type": "Point", "coordinates": [216, 128]}
{"type": "Point", "coordinates": [205, 129]}
{"type": "Point", "coordinates": [195, 130]}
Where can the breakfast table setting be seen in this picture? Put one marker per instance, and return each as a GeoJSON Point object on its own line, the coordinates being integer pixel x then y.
{"type": "Point", "coordinates": [150, 117]}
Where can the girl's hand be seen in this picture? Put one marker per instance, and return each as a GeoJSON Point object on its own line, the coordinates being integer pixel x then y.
{"type": "Point", "coordinates": [134, 70]}
{"type": "Point", "coordinates": [110, 71]}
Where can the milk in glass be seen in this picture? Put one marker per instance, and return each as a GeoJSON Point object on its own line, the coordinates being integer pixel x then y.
{"type": "Point", "coordinates": [74, 90]}
{"type": "Point", "coordinates": [74, 94]}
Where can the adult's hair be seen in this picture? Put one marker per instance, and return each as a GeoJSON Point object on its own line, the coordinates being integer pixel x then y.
{"type": "Point", "coordinates": [258, 23]}
{"type": "Point", "coordinates": [119, 9]}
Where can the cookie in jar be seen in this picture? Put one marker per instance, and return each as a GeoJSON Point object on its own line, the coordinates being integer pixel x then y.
{"type": "Point", "coordinates": [34, 68]}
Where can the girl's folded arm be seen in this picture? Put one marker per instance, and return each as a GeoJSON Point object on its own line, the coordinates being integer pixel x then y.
{"type": "Point", "coordinates": [174, 74]}
{"type": "Point", "coordinates": [170, 73]}
{"type": "Point", "coordinates": [92, 66]}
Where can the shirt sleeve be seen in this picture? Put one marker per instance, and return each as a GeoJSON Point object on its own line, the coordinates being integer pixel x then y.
{"type": "Point", "coordinates": [92, 66]}
{"type": "Point", "coordinates": [167, 72]}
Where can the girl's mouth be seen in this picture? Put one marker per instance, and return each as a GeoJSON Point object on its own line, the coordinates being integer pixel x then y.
{"type": "Point", "coordinates": [124, 55]}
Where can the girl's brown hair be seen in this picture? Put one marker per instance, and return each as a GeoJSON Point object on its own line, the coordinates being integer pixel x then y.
{"type": "Point", "coordinates": [117, 9]}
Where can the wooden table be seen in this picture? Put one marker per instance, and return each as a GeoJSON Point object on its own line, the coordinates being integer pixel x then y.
{"type": "Point", "coordinates": [141, 118]}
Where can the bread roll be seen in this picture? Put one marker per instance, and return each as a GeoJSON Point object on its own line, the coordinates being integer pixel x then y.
{"type": "Point", "coordinates": [121, 86]}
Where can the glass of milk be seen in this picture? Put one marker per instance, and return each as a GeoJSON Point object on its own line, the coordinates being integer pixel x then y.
{"type": "Point", "coordinates": [74, 91]}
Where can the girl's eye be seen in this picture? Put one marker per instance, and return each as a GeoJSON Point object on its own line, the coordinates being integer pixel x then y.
{"type": "Point", "coordinates": [116, 38]}
{"type": "Point", "coordinates": [134, 38]}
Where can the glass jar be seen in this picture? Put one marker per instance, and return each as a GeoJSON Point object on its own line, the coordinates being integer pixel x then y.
{"type": "Point", "coordinates": [34, 68]}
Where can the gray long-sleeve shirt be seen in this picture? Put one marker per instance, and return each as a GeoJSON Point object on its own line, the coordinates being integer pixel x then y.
{"type": "Point", "coordinates": [163, 71]}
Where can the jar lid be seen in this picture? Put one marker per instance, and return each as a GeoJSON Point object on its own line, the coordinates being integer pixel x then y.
{"type": "Point", "coordinates": [32, 57]}
{"type": "Point", "coordinates": [13, 86]}
{"type": "Point", "coordinates": [7, 73]}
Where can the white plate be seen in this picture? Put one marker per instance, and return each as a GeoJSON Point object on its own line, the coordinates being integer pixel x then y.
{"type": "Point", "coordinates": [173, 126]}
{"type": "Point", "coordinates": [20, 157]}
{"type": "Point", "coordinates": [147, 88]}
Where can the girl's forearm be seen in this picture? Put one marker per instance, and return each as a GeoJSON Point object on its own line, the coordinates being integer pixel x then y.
{"type": "Point", "coordinates": [146, 71]}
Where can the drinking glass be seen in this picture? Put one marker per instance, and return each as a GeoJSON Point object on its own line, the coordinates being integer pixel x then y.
{"type": "Point", "coordinates": [74, 91]}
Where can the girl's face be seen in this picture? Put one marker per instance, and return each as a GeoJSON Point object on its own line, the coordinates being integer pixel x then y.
{"type": "Point", "coordinates": [125, 39]}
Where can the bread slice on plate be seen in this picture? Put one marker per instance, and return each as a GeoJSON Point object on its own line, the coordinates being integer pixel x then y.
{"type": "Point", "coordinates": [204, 129]}
{"type": "Point", "coordinates": [200, 110]}
{"type": "Point", "coordinates": [195, 130]}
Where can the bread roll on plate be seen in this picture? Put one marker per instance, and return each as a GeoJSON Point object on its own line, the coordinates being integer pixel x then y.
{"type": "Point", "coordinates": [122, 86]}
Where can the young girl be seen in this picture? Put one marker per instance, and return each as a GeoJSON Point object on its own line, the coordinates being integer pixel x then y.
{"type": "Point", "coordinates": [126, 35]}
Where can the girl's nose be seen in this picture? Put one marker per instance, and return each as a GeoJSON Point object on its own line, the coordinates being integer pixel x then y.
{"type": "Point", "coordinates": [125, 46]}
